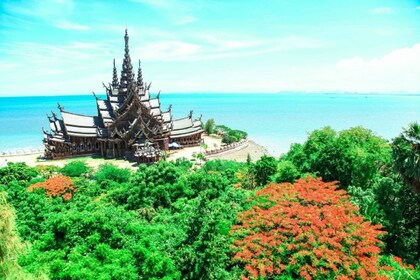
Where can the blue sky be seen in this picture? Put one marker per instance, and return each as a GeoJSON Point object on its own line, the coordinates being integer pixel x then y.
{"type": "Point", "coordinates": [53, 47]}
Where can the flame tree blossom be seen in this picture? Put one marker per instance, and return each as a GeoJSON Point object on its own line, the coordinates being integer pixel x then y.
{"type": "Point", "coordinates": [308, 230]}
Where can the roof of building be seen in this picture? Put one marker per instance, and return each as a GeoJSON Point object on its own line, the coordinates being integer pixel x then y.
{"type": "Point", "coordinates": [80, 125]}
{"type": "Point", "coordinates": [155, 112]}
{"type": "Point", "coordinates": [185, 127]}
{"type": "Point", "coordinates": [183, 123]}
{"type": "Point", "coordinates": [154, 103]}
{"type": "Point", "coordinates": [167, 116]}
{"type": "Point", "coordinates": [105, 111]}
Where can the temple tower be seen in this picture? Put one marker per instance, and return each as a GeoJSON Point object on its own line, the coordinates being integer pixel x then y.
{"type": "Point", "coordinates": [127, 75]}
{"type": "Point", "coordinates": [140, 83]}
{"type": "Point", "coordinates": [114, 77]}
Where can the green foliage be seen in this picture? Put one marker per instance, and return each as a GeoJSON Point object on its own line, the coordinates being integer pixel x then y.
{"type": "Point", "coordinates": [110, 172]}
{"type": "Point", "coordinates": [406, 154]}
{"type": "Point", "coordinates": [204, 249]}
{"type": "Point", "coordinates": [11, 246]}
{"type": "Point", "coordinates": [248, 159]}
{"type": "Point", "coordinates": [169, 221]}
{"type": "Point", "coordinates": [226, 168]}
{"type": "Point", "coordinates": [353, 156]}
{"type": "Point", "coordinates": [228, 139]}
{"type": "Point", "coordinates": [401, 215]}
{"type": "Point", "coordinates": [399, 270]}
{"type": "Point", "coordinates": [16, 172]}
{"type": "Point", "coordinates": [368, 204]}
{"type": "Point", "coordinates": [210, 126]}
{"type": "Point", "coordinates": [75, 169]}
{"type": "Point", "coordinates": [231, 135]}
{"type": "Point", "coordinates": [363, 155]}
{"type": "Point", "coordinates": [164, 221]}
{"type": "Point", "coordinates": [265, 167]}
{"type": "Point", "coordinates": [286, 172]}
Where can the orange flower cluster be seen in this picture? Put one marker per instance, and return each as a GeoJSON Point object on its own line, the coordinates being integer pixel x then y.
{"type": "Point", "coordinates": [59, 185]}
{"type": "Point", "coordinates": [308, 229]}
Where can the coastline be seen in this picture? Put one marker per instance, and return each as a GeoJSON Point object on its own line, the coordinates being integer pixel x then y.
{"type": "Point", "coordinates": [252, 148]}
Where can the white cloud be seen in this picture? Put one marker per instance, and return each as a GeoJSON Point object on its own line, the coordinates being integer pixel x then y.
{"type": "Point", "coordinates": [71, 26]}
{"type": "Point", "coordinates": [46, 9]}
{"type": "Point", "coordinates": [207, 46]}
{"type": "Point", "coordinates": [382, 11]}
{"type": "Point", "coordinates": [155, 3]}
{"type": "Point", "coordinates": [397, 71]}
{"type": "Point", "coordinates": [167, 50]}
{"type": "Point", "coordinates": [54, 69]}
{"type": "Point", "coordinates": [186, 20]}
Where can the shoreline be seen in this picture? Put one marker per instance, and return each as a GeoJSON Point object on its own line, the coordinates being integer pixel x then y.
{"type": "Point", "coordinates": [252, 148]}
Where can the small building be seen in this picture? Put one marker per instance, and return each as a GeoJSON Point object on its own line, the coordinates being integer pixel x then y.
{"type": "Point", "coordinates": [129, 123]}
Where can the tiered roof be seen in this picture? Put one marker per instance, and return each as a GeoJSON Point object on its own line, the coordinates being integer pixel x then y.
{"type": "Point", "coordinates": [185, 127]}
{"type": "Point", "coordinates": [80, 125]}
{"type": "Point", "coordinates": [128, 112]}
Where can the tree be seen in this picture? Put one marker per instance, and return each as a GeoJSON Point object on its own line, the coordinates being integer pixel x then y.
{"type": "Point", "coordinates": [308, 229]}
{"type": "Point", "coordinates": [398, 212]}
{"type": "Point", "coordinates": [265, 167]}
{"type": "Point", "coordinates": [353, 156]}
{"type": "Point", "coordinates": [210, 126]}
{"type": "Point", "coordinates": [286, 172]}
{"type": "Point", "coordinates": [406, 155]}
{"type": "Point", "coordinates": [248, 159]}
{"type": "Point", "coordinates": [361, 157]}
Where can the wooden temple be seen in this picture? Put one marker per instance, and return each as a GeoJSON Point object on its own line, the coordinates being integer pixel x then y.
{"type": "Point", "coordinates": [129, 124]}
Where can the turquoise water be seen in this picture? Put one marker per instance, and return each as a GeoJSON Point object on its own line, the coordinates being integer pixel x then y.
{"type": "Point", "coordinates": [274, 120]}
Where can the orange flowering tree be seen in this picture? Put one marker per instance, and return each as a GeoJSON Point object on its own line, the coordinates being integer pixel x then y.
{"type": "Point", "coordinates": [307, 230]}
{"type": "Point", "coordinates": [59, 185]}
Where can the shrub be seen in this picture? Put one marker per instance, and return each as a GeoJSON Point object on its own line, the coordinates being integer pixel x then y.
{"type": "Point", "coordinates": [228, 139]}
{"type": "Point", "coordinates": [56, 186]}
{"type": "Point", "coordinates": [75, 169]}
{"type": "Point", "coordinates": [231, 135]}
{"type": "Point", "coordinates": [308, 229]}
{"type": "Point", "coordinates": [18, 171]}
{"type": "Point", "coordinates": [112, 173]}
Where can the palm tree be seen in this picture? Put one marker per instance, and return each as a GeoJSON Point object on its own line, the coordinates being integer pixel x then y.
{"type": "Point", "coordinates": [406, 155]}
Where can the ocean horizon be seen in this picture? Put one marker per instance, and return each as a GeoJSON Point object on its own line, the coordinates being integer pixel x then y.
{"type": "Point", "coordinates": [274, 120]}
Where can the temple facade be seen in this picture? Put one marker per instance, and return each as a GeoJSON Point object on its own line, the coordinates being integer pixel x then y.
{"type": "Point", "coordinates": [129, 123]}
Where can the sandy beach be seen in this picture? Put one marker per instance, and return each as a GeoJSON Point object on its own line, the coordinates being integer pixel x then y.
{"type": "Point", "coordinates": [253, 149]}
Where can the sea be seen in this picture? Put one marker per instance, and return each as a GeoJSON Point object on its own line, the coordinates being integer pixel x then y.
{"type": "Point", "coordinates": [272, 120]}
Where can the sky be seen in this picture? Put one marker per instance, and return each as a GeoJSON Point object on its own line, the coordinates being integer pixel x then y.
{"type": "Point", "coordinates": [55, 47]}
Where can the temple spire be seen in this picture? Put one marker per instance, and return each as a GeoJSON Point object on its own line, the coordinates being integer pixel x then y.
{"type": "Point", "coordinates": [114, 77]}
{"type": "Point", "coordinates": [140, 82]}
{"type": "Point", "coordinates": [127, 75]}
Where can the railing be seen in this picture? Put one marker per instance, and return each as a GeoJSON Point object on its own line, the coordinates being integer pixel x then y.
{"type": "Point", "coordinates": [227, 148]}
